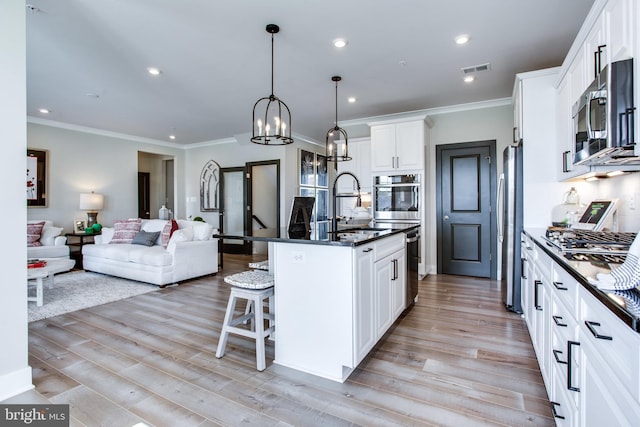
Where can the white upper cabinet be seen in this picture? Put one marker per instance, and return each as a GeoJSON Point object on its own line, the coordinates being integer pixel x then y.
{"type": "Point", "coordinates": [620, 22]}
{"type": "Point", "coordinates": [398, 146]}
{"type": "Point", "coordinates": [359, 165]}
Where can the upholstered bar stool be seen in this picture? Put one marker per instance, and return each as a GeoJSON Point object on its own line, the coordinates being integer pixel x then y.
{"type": "Point", "coordinates": [260, 265]}
{"type": "Point", "coordinates": [256, 287]}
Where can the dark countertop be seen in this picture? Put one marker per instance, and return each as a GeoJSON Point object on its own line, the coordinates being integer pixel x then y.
{"type": "Point", "coordinates": [348, 237]}
{"type": "Point", "coordinates": [624, 304]}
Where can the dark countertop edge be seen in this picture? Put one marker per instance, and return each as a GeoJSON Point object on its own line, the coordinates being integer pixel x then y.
{"type": "Point", "coordinates": [620, 312]}
{"type": "Point", "coordinates": [392, 231]}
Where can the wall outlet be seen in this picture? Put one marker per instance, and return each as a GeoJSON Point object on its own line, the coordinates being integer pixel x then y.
{"type": "Point", "coordinates": [631, 201]}
{"type": "Point", "coordinates": [297, 257]}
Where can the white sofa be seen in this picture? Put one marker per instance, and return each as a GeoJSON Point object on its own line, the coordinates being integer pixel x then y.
{"type": "Point", "coordinates": [51, 243]}
{"type": "Point", "coordinates": [191, 252]}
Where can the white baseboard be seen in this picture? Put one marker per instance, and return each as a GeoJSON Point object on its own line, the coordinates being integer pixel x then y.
{"type": "Point", "coordinates": [14, 383]}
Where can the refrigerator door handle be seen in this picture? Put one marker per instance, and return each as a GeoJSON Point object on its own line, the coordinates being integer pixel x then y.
{"type": "Point", "coordinates": [500, 213]}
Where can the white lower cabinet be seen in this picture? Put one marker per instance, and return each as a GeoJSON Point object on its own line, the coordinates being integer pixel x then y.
{"type": "Point", "coordinates": [588, 357]}
{"type": "Point", "coordinates": [364, 303]}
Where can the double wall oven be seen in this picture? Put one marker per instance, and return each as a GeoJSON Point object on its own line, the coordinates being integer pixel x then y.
{"type": "Point", "coordinates": [397, 203]}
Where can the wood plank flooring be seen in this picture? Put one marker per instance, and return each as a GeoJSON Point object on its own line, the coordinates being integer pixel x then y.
{"type": "Point", "coordinates": [456, 358]}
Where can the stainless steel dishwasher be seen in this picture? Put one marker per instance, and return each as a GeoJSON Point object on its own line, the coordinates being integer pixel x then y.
{"type": "Point", "coordinates": [413, 259]}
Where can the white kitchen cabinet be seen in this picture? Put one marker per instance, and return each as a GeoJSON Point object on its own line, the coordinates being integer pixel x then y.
{"type": "Point", "coordinates": [359, 165]}
{"type": "Point", "coordinates": [620, 20]}
{"type": "Point", "coordinates": [364, 303]}
{"type": "Point", "coordinates": [398, 146]}
{"type": "Point", "coordinates": [389, 281]}
{"type": "Point", "coordinates": [588, 357]}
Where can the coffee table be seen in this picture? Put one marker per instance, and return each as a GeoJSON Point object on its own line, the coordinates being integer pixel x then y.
{"type": "Point", "coordinates": [46, 273]}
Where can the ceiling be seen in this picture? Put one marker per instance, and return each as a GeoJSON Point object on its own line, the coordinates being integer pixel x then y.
{"type": "Point", "coordinates": [87, 60]}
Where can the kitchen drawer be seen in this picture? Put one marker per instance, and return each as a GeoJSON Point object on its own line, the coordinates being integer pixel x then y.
{"type": "Point", "coordinates": [565, 288]}
{"type": "Point", "coordinates": [616, 343]}
{"type": "Point", "coordinates": [543, 262]}
{"type": "Point", "coordinates": [388, 245]}
{"type": "Point", "coordinates": [564, 407]}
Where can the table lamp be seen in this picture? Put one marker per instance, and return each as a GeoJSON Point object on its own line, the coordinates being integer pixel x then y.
{"type": "Point", "coordinates": [92, 203]}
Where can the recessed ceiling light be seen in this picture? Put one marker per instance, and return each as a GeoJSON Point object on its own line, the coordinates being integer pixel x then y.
{"type": "Point", "coordinates": [154, 71]}
{"type": "Point", "coordinates": [469, 79]}
{"type": "Point", "coordinates": [44, 110]}
{"type": "Point", "coordinates": [172, 137]}
{"type": "Point", "coordinates": [340, 42]}
{"type": "Point", "coordinates": [351, 99]}
{"type": "Point", "coordinates": [462, 39]}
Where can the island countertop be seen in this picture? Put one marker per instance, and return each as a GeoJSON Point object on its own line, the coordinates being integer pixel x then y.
{"type": "Point", "coordinates": [347, 237]}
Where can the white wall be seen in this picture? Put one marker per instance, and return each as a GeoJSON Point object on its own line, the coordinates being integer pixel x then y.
{"type": "Point", "coordinates": [231, 153]}
{"type": "Point", "coordinates": [82, 161]}
{"type": "Point", "coordinates": [15, 373]}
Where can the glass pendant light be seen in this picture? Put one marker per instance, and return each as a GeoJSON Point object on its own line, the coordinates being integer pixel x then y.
{"type": "Point", "coordinates": [337, 149]}
{"type": "Point", "coordinates": [271, 116]}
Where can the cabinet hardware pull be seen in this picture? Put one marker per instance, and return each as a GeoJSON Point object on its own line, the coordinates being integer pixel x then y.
{"type": "Point", "coordinates": [557, 320]}
{"type": "Point", "coordinates": [555, 354]}
{"type": "Point", "coordinates": [570, 345]}
{"type": "Point", "coordinates": [536, 304]}
{"type": "Point", "coordinates": [367, 250]}
{"type": "Point", "coordinates": [559, 286]}
{"type": "Point", "coordinates": [553, 409]}
{"type": "Point", "coordinates": [591, 326]}
{"type": "Point", "coordinates": [395, 269]}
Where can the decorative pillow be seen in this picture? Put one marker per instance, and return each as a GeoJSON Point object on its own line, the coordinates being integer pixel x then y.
{"type": "Point", "coordinates": [125, 230]}
{"type": "Point", "coordinates": [146, 238]}
{"type": "Point", "coordinates": [181, 235]}
{"type": "Point", "coordinates": [49, 234]}
{"type": "Point", "coordinates": [34, 230]}
{"type": "Point", "coordinates": [168, 231]}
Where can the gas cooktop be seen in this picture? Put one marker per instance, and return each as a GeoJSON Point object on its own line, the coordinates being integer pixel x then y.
{"type": "Point", "coordinates": [586, 245]}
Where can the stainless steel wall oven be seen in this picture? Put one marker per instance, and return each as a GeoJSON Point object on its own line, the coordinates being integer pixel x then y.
{"type": "Point", "coordinates": [397, 198]}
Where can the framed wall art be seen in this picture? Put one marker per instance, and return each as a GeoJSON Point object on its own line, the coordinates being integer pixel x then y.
{"type": "Point", "coordinates": [210, 187]}
{"type": "Point", "coordinates": [37, 178]}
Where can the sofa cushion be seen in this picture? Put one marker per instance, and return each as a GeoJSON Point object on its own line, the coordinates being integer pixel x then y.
{"type": "Point", "coordinates": [170, 227]}
{"type": "Point", "coordinates": [145, 238]}
{"type": "Point", "coordinates": [49, 234]}
{"type": "Point", "coordinates": [34, 230]}
{"type": "Point", "coordinates": [125, 230]}
{"type": "Point", "coordinates": [153, 255]}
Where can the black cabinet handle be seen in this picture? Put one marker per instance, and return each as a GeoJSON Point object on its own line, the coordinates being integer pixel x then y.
{"type": "Point", "coordinates": [555, 413]}
{"type": "Point", "coordinates": [559, 286]}
{"type": "Point", "coordinates": [591, 326]}
{"type": "Point", "coordinates": [367, 250]}
{"type": "Point", "coordinates": [570, 345]}
{"type": "Point", "coordinates": [597, 61]}
{"type": "Point", "coordinates": [536, 303]}
{"type": "Point", "coordinates": [555, 354]}
{"type": "Point", "coordinates": [557, 320]}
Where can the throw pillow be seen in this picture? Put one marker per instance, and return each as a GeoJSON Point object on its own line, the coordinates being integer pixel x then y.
{"type": "Point", "coordinates": [125, 230]}
{"type": "Point", "coordinates": [168, 231]}
{"type": "Point", "coordinates": [49, 234]}
{"type": "Point", "coordinates": [181, 235]}
{"type": "Point", "coordinates": [146, 238]}
{"type": "Point", "coordinates": [34, 229]}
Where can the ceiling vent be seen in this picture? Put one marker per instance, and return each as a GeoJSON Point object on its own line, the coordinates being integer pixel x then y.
{"type": "Point", "coordinates": [476, 69]}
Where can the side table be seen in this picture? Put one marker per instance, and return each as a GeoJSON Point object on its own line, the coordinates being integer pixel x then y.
{"type": "Point", "coordinates": [76, 241]}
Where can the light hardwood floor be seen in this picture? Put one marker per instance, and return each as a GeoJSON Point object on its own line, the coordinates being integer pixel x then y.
{"type": "Point", "coordinates": [456, 358]}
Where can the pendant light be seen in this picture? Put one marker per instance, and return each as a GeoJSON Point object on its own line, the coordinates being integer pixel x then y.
{"type": "Point", "coordinates": [336, 147]}
{"type": "Point", "coordinates": [271, 116]}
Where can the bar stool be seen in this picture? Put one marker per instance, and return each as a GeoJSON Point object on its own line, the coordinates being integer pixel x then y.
{"type": "Point", "coordinates": [260, 265]}
{"type": "Point", "coordinates": [256, 287]}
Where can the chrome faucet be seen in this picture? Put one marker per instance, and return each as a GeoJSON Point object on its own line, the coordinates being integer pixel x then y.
{"type": "Point", "coordinates": [334, 221]}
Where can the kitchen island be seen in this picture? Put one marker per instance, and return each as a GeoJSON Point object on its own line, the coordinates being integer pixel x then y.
{"type": "Point", "coordinates": [336, 294]}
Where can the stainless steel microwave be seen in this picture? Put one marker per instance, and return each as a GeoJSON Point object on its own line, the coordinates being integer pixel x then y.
{"type": "Point", "coordinates": [603, 117]}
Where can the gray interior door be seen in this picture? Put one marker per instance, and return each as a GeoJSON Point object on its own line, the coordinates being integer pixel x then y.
{"type": "Point", "coordinates": [466, 229]}
{"type": "Point", "coordinates": [232, 208]}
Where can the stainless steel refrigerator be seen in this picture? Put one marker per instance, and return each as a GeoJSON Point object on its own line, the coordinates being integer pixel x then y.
{"type": "Point", "coordinates": [510, 224]}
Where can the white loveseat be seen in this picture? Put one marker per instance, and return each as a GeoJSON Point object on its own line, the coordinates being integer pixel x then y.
{"type": "Point", "coordinates": [51, 243]}
{"type": "Point", "coordinates": [191, 252]}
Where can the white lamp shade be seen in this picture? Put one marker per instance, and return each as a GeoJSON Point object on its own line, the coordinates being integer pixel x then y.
{"type": "Point", "coordinates": [91, 201]}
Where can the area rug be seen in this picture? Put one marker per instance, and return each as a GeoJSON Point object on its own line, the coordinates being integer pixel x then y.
{"type": "Point", "coordinates": [82, 289]}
